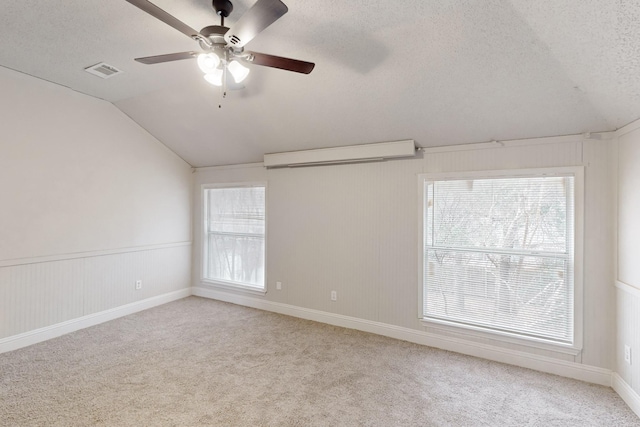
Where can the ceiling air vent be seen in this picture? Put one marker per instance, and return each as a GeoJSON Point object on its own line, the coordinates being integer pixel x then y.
{"type": "Point", "coordinates": [103, 70]}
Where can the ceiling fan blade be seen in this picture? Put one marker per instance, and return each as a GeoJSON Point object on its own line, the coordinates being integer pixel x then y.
{"type": "Point", "coordinates": [167, 58]}
{"type": "Point", "coordinates": [256, 19]}
{"type": "Point", "coordinates": [273, 61]}
{"type": "Point", "coordinates": [165, 17]}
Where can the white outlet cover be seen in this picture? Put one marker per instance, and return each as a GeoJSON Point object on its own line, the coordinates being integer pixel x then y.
{"type": "Point", "coordinates": [627, 354]}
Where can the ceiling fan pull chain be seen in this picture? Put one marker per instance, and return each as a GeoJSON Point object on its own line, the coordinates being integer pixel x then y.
{"type": "Point", "coordinates": [225, 73]}
{"type": "Point", "coordinates": [224, 85]}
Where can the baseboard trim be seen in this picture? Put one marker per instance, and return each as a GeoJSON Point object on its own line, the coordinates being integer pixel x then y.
{"type": "Point", "coordinates": [563, 368]}
{"type": "Point", "coordinates": [625, 391]}
{"type": "Point", "coordinates": [43, 334]}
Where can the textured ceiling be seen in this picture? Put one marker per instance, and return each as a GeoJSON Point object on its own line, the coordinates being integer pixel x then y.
{"type": "Point", "coordinates": [440, 72]}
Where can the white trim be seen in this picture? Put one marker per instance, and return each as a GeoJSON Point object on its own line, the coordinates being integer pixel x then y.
{"type": "Point", "coordinates": [204, 235]}
{"type": "Point", "coordinates": [630, 289]}
{"type": "Point", "coordinates": [342, 154]}
{"type": "Point", "coordinates": [240, 184]}
{"type": "Point", "coordinates": [233, 286]}
{"type": "Point", "coordinates": [628, 394]}
{"type": "Point", "coordinates": [517, 142]}
{"type": "Point", "coordinates": [605, 135]}
{"type": "Point", "coordinates": [497, 335]}
{"type": "Point", "coordinates": [227, 167]}
{"type": "Point", "coordinates": [89, 254]}
{"type": "Point", "coordinates": [634, 125]}
{"type": "Point", "coordinates": [503, 173]}
{"type": "Point", "coordinates": [43, 334]}
{"type": "Point", "coordinates": [421, 242]}
{"type": "Point", "coordinates": [578, 250]}
{"type": "Point", "coordinates": [563, 368]}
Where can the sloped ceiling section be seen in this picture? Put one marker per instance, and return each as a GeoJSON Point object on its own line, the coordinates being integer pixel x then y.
{"type": "Point", "coordinates": [440, 72]}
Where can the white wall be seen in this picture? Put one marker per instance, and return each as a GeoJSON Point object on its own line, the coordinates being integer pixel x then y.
{"type": "Point", "coordinates": [354, 229]}
{"type": "Point", "coordinates": [90, 203]}
{"type": "Point", "coordinates": [628, 256]}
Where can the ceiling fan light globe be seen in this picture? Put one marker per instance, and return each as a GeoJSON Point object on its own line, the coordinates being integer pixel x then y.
{"type": "Point", "coordinates": [208, 62]}
{"type": "Point", "coordinates": [215, 77]}
{"type": "Point", "coordinates": [238, 71]}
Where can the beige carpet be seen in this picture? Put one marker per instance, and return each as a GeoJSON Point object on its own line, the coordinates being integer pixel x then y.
{"type": "Point", "coordinates": [199, 362]}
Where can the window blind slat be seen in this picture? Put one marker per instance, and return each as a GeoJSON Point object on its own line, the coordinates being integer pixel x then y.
{"type": "Point", "coordinates": [235, 235]}
{"type": "Point", "coordinates": [236, 210]}
{"type": "Point", "coordinates": [498, 254]}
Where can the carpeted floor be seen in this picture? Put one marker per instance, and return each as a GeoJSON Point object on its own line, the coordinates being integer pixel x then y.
{"type": "Point", "coordinates": [199, 362]}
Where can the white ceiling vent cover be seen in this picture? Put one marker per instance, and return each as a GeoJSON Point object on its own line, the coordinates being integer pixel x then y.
{"type": "Point", "coordinates": [103, 70]}
{"type": "Point", "coordinates": [337, 155]}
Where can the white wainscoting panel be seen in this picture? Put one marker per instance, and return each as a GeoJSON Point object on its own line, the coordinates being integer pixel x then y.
{"type": "Point", "coordinates": [35, 336]}
{"type": "Point", "coordinates": [161, 271]}
{"type": "Point", "coordinates": [37, 295]}
{"type": "Point", "coordinates": [626, 380]}
{"type": "Point", "coordinates": [628, 333]}
{"type": "Point", "coordinates": [42, 294]}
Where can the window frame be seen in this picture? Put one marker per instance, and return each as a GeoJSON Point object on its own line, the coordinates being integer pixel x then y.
{"type": "Point", "coordinates": [226, 284]}
{"type": "Point", "coordinates": [451, 327]}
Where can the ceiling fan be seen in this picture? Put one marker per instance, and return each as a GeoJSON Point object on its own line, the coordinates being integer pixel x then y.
{"type": "Point", "coordinates": [224, 47]}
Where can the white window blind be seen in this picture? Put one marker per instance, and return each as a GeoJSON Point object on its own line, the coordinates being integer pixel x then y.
{"type": "Point", "coordinates": [235, 235]}
{"type": "Point", "coordinates": [499, 255]}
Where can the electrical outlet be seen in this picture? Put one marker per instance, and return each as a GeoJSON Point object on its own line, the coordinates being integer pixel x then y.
{"type": "Point", "coordinates": [138, 284]}
{"type": "Point", "coordinates": [627, 354]}
{"type": "Point", "coordinates": [334, 296]}
{"type": "Point", "coordinates": [279, 286]}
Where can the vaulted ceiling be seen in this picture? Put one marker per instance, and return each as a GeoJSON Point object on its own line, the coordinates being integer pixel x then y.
{"type": "Point", "coordinates": [440, 72]}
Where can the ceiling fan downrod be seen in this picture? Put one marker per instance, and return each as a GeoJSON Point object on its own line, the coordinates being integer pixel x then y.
{"type": "Point", "coordinates": [223, 8]}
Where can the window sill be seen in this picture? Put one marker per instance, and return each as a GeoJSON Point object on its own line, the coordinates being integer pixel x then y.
{"type": "Point", "coordinates": [490, 335]}
{"type": "Point", "coordinates": [229, 286]}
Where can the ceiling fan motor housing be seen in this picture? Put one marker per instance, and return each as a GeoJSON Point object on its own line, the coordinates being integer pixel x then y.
{"type": "Point", "coordinates": [215, 34]}
{"type": "Point", "coordinates": [222, 7]}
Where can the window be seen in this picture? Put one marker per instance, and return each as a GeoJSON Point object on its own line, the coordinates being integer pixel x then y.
{"type": "Point", "coordinates": [499, 253]}
{"type": "Point", "coordinates": [234, 236]}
